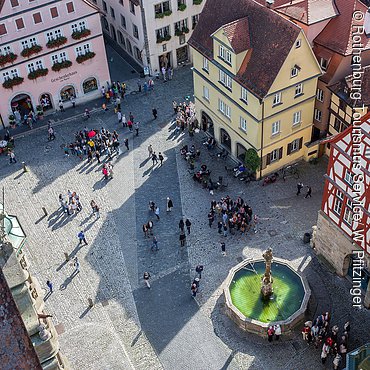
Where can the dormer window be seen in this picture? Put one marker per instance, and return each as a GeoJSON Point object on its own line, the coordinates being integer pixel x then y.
{"type": "Point", "coordinates": [224, 54]}
{"type": "Point", "coordinates": [298, 44]}
{"type": "Point", "coordinates": [294, 72]}
{"type": "Point", "coordinates": [324, 64]}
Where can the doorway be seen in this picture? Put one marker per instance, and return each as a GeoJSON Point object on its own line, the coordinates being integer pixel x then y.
{"type": "Point", "coordinates": [22, 103]}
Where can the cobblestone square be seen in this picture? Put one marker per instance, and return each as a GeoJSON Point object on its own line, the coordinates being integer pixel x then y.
{"type": "Point", "coordinates": [130, 326]}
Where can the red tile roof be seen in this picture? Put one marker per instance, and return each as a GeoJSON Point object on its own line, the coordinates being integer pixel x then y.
{"type": "Point", "coordinates": [17, 351]}
{"type": "Point", "coordinates": [238, 34]}
{"type": "Point", "coordinates": [271, 39]}
{"type": "Point", "coordinates": [337, 35]}
{"type": "Point", "coordinates": [308, 11]}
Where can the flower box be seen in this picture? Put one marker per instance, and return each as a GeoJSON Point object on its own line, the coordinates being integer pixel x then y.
{"type": "Point", "coordinates": [159, 15]}
{"type": "Point", "coordinates": [181, 7]}
{"type": "Point", "coordinates": [58, 66]}
{"type": "Point", "coordinates": [38, 73]}
{"type": "Point", "coordinates": [55, 43]}
{"type": "Point", "coordinates": [185, 30]}
{"type": "Point", "coordinates": [165, 38]}
{"type": "Point", "coordinates": [8, 58]}
{"type": "Point", "coordinates": [197, 2]}
{"type": "Point", "coordinates": [81, 34]}
{"type": "Point", "coordinates": [82, 58]}
{"type": "Point", "coordinates": [167, 13]}
{"type": "Point", "coordinates": [11, 82]}
{"type": "Point", "coordinates": [178, 33]}
{"type": "Point", "coordinates": [27, 52]}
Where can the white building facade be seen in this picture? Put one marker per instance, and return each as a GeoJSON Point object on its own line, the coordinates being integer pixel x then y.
{"type": "Point", "coordinates": [154, 33]}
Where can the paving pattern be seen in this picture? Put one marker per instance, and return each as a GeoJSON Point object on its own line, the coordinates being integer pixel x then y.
{"type": "Point", "coordinates": [131, 326]}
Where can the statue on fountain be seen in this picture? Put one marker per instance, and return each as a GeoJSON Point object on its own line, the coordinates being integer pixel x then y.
{"type": "Point", "coordinates": [267, 280]}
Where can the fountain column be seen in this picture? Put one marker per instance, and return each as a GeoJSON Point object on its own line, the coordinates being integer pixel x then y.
{"type": "Point", "coordinates": [266, 289]}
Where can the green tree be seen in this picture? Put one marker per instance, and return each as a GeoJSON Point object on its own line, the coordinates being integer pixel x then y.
{"type": "Point", "coordinates": [252, 160]}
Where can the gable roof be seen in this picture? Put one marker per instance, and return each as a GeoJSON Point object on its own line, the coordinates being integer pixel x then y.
{"type": "Point", "coordinates": [308, 11]}
{"type": "Point", "coordinates": [271, 39]}
{"type": "Point", "coordinates": [237, 33]}
{"type": "Point", "coordinates": [337, 34]}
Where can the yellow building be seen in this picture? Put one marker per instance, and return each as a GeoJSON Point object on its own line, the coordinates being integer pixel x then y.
{"type": "Point", "coordinates": [255, 79]}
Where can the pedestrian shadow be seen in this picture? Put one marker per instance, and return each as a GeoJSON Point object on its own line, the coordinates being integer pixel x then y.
{"type": "Point", "coordinates": [144, 162]}
{"type": "Point", "coordinates": [19, 175]}
{"type": "Point", "coordinates": [64, 221]}
{"type": "Point", "coordinates": [68, 280]}
{"type": "Point", "coordinates": [40, 219]}
{"type": "Point", "coordinates": [75, 251]}
{"type": "Point", "coordinates": [100, 184]}
{"type": "Point", "coordinates": [86, 219]}
{"type": "Point", "coordinates": [92, 168]}
{"type": "Point", "coordinates": [47, 296]}
{"type": "Point", "coordinates": [137, 337]}
{"type": "Point", "coordinates": [62, 265]}
{"type": "Point", "coordinates": [87, 310]}
{"type": "Point", "coordinates": [89, 226]}
{"type": "Point", "coordinates": [148, 171]}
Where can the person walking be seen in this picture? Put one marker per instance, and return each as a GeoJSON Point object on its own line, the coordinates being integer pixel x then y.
{"type": "Point", "coordinates": [61, 107]}
{"type": "Point", "coordinates": [309, 191]}
{"type": "Point", "coordinates": [211, 218]}
{"type": "Point", "coordinates": [155, 244]}
{"type": "Point", "coordinates": [182, 238]}
{"type": "Point", "coordinates": [194, 290]}
{"type": "Point", "coordinates": [219, 227]}
{"type": "Point", "coordinates": [181, 225]}
{"type": "Point", "coordinates": [188, 225]}
{"type": "Point", "coordinates": [155, 113]}
{"type": "Point", "coordinates": [150, 150]}
{"type": "Point", "coordinates": [337, 361]}
{"type": "Point", "coordinates": [93, 205]}
{"type": "Point", "coordinates": [150, 227]}
{"type": "Point", "coordinates": [161, 158]}
{"type": "Point", "coordinates": [223, 248]}
{"type": "Point", "coordinates": [12, 158]}
{"type": "Point", "coordinates": [299, 188]}
{"type": "Point", "coordinates": [145, 231]}
{"type": "Point", "coordinates": [50, 286]}
{"type": "Point", "coordinates": [156, 212]}
{"type": "Point", "coordinates": [270, 333]}
{"type": "Point", "coordinates": [324, 352]}
{"type": "Point", "coordinates": [73, 101]}
{"type": "Point", "coordinates": [119, 116]}
{"type": "Point", "coordinates": [154, 159]}
{"type": "Point", "coordinates": [136, 127]}
{"type": "Point", "coordinates": [199, 270]}
{"type": "Point", "coordinates": [126, 144]}
{"type": "Point", "coordinates": [81, 238]}
{"type": "Point", "coordinates": [169, 204]}
{"type": "Point", "coordinates": [97, 211]}
{"type": "Point", "coordinates": [76, 264]}
{"type": "Point", "coordinates": [175, 107]}
{"type": "Point", "coordinates": [124, 121]}
{"type": "Point", "coordinates": [277, 330]}
{"type": "Point", "coordinates": [146, 279]}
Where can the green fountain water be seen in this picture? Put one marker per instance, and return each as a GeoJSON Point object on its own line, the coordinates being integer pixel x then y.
{"type": "Point", "coordinates": [245, 291]}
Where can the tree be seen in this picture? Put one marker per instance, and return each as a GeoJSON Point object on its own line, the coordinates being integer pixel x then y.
{"type": "Point", "coordinates": [252, 160]}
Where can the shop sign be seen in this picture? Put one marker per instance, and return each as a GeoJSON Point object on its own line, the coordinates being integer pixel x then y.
{"type": "Point", "coordinates": [64, 77]}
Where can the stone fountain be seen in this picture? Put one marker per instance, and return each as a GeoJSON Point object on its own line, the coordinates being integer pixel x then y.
{"type": "Point", "coordinates": [266, 289]}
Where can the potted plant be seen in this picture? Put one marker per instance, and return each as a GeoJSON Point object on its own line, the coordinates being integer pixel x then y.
{"type": "Point", "coordinates": [11, 82]}
{"type": "Point", "coordinates": [81, 34]}
{"type": "Point", "coordinates": [58, 66]}
{"type": "Point", "coordinates": [34, 49]}
{"type": "Point", "coordinates": [82, 58]}
{"type": "Point", "coordinates": [11, 120]}
{"type": "Point", "coordinates": [167, 13]}
{"type": "Point", "coordinates": [38, 73]}
{"type": "Point", "coordinates": [8, 58]}
{"type": "Point", "coordinates": [55, 43]}
{"type": "Point", "coordinates": [40, 111]}
{"type": "Point", "coordinates": [181, 7]}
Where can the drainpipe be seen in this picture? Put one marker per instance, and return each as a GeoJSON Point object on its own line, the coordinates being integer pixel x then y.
{"type": "Point", "coordinates": [146, 42]}
{"type": "Point", "coordinates": [263, 120]}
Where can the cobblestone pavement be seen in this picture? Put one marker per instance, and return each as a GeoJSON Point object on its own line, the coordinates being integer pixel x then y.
{"type": "Point", "coordinates": [131, 326]}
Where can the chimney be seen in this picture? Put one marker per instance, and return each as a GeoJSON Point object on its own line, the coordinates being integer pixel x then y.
{"type": "Point", "coordinates": [270, 3]}
{"type": "Point", "coordinates": [367, 23]}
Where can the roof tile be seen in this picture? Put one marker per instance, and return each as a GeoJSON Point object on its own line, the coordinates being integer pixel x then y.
{"type": "Point", "coordinates": [238, 34]}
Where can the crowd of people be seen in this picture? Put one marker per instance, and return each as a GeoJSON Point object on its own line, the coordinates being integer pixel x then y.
{"type": "Point", "coordinates": [232, 215]}
{"type": "Point", "coordinates": [321, 335]}
{"type": "Point", "coordinates": [185, 116]}
{"type": "Point", "coordinates": [70, 203]}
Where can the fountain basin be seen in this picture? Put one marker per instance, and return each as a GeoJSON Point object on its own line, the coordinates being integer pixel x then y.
{"type": "Point", "coordinates": [244, 302]}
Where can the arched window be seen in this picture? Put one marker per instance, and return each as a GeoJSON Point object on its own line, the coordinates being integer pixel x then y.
{"type": "Point", "coordinates": [67, 92]}
{"type": "Point", "coordinates": [89, 85]}
{"type": "Point", "coordinates": [46, 102]}
{"type": "Point", "coordinates": [121, 39]}
{"type": "Point", "coordinates": [225, 139]}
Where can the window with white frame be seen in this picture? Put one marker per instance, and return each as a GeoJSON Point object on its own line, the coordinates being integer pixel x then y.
{"type": "Point", "coordinates": [324, 64]}
{"type": "Point", "coordinates": [338, 203]}
{"type": "Point", "coordinates": [244, 95]}
{"type": "Point", "coordinates": [205, 64]}
{"type": "Point", "coordinates": [28, 43]}
{"type": "Point", "coordinates": [79, 26]}
{"type": "Point", "coordinates": [317, 115]}
{"type": "Point", "coordinates": [10, 74]}
{"type": "Point", "coordinates": [348, 177]}
{"type": "Point", "coordinates": [206, 93]}
{"type": "Point", "coordinates": [320, 95]}
{"type": "Point", "coordinates": [275, 128]}
{"type": "Point", "coordinates": [135, 31]}
{"type": "Point", "coordinates": [277, 98]}
{"type": "Point", "coordinates": [274, 155]}
{"type": "Point", "coordinates": [52, 35]}
{"type": "Point", "coordinates": [294, 145]}
{"type": "Point", "coordinates": [243, 124]}
{"type": "Point", "coordinates": [298, 89]}
{"type": "Point", "coordinates": [298, 43]}
{"type": "Point", "coordinates": [224, 108]}
{"type": "Point", "coordinates": [297, 117]}
{"type": "Point", "coordinates": [5, 50]}
{"type": "Point", "coordinates": [348, 215]}
{"type": "Point", "coordinates": [194, 20]}
{"type": "Point", "coordinates": [294, 72]}
{"type": "Point", "coordinates": [59, 58]}
{"type": "Point", "coordinates": [225, 79]}
{"type": "Point", "coordinates": [163, 32]}
{"type": "Point", "coordinates": [224, 54]}
{"type": "Point", "coordinates": [82, 50]}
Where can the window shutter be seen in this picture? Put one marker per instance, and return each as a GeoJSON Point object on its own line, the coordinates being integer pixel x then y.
{"type": "Point", "coordinates": [289, 149]}
{"type": "Point", "coordinates": [268, 159]}
{"type": "Point", "coordinates": [281, 152]}
{"type": "Point", "coordinates": [300, 142]}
